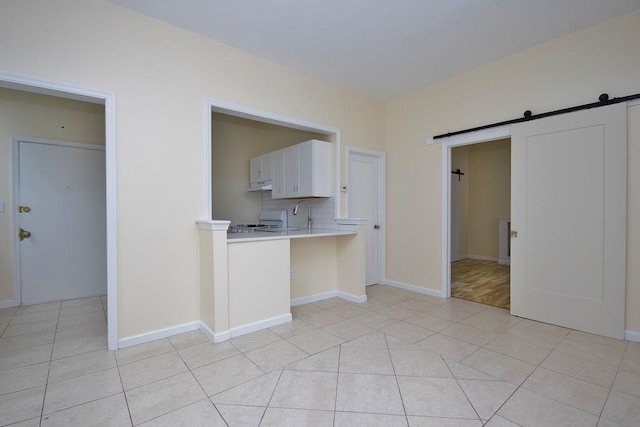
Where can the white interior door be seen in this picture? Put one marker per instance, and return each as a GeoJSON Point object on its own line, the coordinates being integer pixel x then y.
{"type": "Point", "coordinates": [364, 202]}
{"type": "Point", "coordinates": [569, 210]}
{"type": "Point", "coordinates": [64, 188]}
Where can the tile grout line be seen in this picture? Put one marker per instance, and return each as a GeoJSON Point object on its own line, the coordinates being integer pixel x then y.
{"type": "Point", "coordinates": [124, 393]}
{"type": "Point", "coordinates": [395, 376]}
{"type": "Point", "coordinates": [53, 346]}
{"type": "Point", "coordinates": [464, 393]}
{"type": "Point", "coordinates": [335, 400]}
{"type": "Point", "coordinates": [626, 347]}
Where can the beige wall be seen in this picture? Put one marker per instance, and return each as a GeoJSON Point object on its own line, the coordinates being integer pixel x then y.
{"type": "Point", "coordinates": [234, 141]}
{"type": "Point", "coordinates": [38, 116]}
{"type": "Point", "coordinates": [161, 76]}
{"type": "Point", "coordinates": [489, 195]}
{"type": "Point", "coordinates": [314, 266]}
{"type": "Point", "coordinates": [571, 70]}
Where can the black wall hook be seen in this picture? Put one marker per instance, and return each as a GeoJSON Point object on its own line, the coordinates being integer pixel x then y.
{"type": "Point", "coordinates": [457, 172]}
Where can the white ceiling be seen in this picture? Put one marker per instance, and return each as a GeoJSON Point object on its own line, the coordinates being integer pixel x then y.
{"type": "Point", "coordinates": [382, 48]}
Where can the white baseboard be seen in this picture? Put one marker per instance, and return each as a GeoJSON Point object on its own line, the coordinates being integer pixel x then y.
{"type": "Point", "coordinates": [160, 333]}
{"type": "Point", "coordinates": [506, 261]}
{"type": "Point", "coordinates": [219, 337]}
{"type": "Point", "coordinates": [419, 289]}
{"type": "Point", "coordinates": [262, 324]}
{"type": "Point", "coordinates": [326, 295]}
{"type": "Point", "coordinates": [8, 303]}
{"type": "Point", "coordinates": [313, 298]}
{"type": "Point", "coordinates": [632, 336]}
{"type": "Point", "coordinates": [353, 298]}
{"type": "Point", "coordinates": [482, 257]}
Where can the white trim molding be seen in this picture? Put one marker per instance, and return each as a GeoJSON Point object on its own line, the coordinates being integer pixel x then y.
{"type": "Point", "coordinates": [499, 132]}
{"type": "Point", "coordinates": [632, 335]}
{"type": "Point", "coordinates": [352, 221]}
{"type": "Point", "coordinates": [483, 257]}
{"type": "Point", "coordinates": [326, 295]}
{"type": "Point", "coordinates": [160, 333]}
{"type": "Point", "coordinates": [217, 337]}
{"type": "Point", "coordinates": [258, 326]}
{"type": "Point", "coordinates": [419, 289]}
{"type": "Point", "coordinates": [213, 225]}
{"type": "Point", "coordinates": [9, 303]}
{"type": "Point", "coordinates": [358, 299]}
{"type": "Point", "coordinates": [108, 99]}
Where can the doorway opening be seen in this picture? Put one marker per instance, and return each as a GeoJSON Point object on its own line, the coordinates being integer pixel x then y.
{"type": "Point", "coordinates": [454, 234]}
{"type": "Point", "coordinates": [59, 93]}
{"type": "Point", "coordinates": [254, 123]}
{"type": "Point", "coordinates": [480, 194]}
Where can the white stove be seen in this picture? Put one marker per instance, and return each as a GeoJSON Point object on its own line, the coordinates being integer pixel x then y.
{"type": "Point", "coordinates": [269, 221]}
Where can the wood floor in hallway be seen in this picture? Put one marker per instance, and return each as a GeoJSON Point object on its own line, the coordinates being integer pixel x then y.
{"type": "Point", "coordinates": [482, 281]}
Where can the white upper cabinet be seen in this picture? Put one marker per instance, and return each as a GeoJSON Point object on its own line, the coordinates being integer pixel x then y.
{"type": "Point", "coordinates": [302, 170]}
{"type": "Point", "coordinates": [278, 191]}
{"type": "Point", "coordinates": [261, 168]}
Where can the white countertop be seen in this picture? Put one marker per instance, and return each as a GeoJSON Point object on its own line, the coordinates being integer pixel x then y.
{"type": "Point", "coordinates": [287, 234]}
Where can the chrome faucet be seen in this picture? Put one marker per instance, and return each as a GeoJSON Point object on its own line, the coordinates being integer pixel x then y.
{"type": "Point", "coordinates": [295, 212]}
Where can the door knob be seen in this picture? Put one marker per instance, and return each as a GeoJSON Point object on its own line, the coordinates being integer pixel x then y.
{"type": "Point", "coordinates": [24, 234]}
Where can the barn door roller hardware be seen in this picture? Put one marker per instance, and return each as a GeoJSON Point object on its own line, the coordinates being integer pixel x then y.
{"type": "Point", "coordinates": [528, 116]}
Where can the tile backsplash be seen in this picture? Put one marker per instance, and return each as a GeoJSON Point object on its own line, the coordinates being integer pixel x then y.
{"type": "Point", "coordinates": [322, 211]}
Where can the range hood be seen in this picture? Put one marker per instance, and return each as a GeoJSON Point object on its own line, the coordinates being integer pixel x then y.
{"type": "Point", "coordinates": [260, 186]}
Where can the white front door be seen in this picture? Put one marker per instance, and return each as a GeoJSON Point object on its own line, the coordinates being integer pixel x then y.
{"type": "Point", "coordinates": [63, 188]}
{"type": "Point", "coordinates": [568, 206]}
{"type": "Point", "coordinates": [364, 193]}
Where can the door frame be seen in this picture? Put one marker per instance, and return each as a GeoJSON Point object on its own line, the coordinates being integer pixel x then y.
{"type": "Point", "coordinates": [212, 105]}
{"type": "Point", "coordinates": [499, 132]}
{"type": "Point", "coordinates": [382, 159]}
{"type": "Point", "coordinates": [492, 134]}
{"type": "Point", "coordinates": [15, 148]}
{"type": "Point", "coordinates": [108, 99]}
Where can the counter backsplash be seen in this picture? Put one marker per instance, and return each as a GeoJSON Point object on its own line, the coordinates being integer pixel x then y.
{"type": "Point", "coordinates": [322, 211]}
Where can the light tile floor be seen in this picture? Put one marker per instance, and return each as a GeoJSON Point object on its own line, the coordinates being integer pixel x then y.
{"type": "Point", "coordinates": [399, 359]}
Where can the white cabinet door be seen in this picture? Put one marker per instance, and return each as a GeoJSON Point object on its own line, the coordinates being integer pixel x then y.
{"type": "Point", "coordinates": [267, 167]}
{"type": "Point", "coordinates": [278, 191]}
{"type": "Point", "coordinates": [292, 171]}
{"type": "Point", "coordinates": [255, 169]}
{"type": "Point", "coordinates": [568, 206]}
{"type": "Point", "coordinates": [261, 168]}
{"type": "Point", "coordinates": [302, 170]}
{"type": "Point", "coordinates": [305, 169]}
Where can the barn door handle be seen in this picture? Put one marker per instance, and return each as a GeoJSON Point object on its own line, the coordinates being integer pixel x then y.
{"type": "Point", "coordinates": [24, 234]}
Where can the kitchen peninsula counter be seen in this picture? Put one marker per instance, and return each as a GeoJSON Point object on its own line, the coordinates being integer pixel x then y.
{"type": "Point", "coordinates": [296, 233]}
{"type": "Point", "coordinates": [249, 281]}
